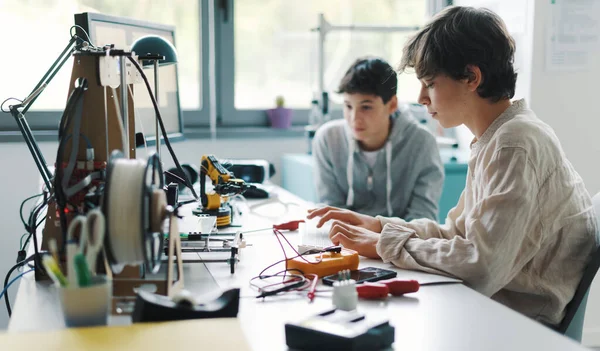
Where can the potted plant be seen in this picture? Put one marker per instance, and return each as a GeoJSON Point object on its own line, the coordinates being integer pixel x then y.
{"type": "Point", "coordinates": [280, 116]}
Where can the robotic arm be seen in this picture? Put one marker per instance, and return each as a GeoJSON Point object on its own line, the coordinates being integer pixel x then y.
{"type": "Point", "coordinates": [225, 185]}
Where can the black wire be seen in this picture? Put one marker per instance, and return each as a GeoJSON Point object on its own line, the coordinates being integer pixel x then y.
{"type": "Point", "coordinates": [8, 277]}
{"type": "Point", "coordinates": [79, 38]}
{"type": "Point", "coordinates": [298, 282]}
{"type": "Point", "coordinates": [162, 127]}
{"type": "Point", "coordinates": [23, 205]}
{"type": "Point", "coordinates": [175, 176]}
{"type": "Point", "coordinates": [181, 203]}
{"type": "Point", "coordinates": [34, 225]}
{"type": "Point", "coordinates": [65, 121]}
{"type": "Point", "coordinates": [31, 233]}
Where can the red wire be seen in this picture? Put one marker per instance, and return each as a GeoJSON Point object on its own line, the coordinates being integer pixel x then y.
{"type": "Point", "coordinates": [277, 234]}
{"type": "Point", "coordinates": [275, 231]}
{"type": "Point", "coordinates": [296, 251]}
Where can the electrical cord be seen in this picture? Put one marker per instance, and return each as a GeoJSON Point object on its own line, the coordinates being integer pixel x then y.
{"type": "Point", "coordinates": [7, 283]}
{"type": "Point", "coordinates": [3, 102]}
{"type": "Point", "coordinates": [23, 205]}
{"type": "Point", "coordinates": [89, 41]}
{"type": "Point", "coordinates": [5, 291]}
{"type": "Point", "coordinates": [65, 121]}
{"type": "Point", "coordinates": [162, 126]}
{"type": "Point", "coordinates": [294, 284]}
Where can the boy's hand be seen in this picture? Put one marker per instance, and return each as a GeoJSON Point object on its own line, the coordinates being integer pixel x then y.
{"type": "Point", "coordinates": [346, 216]}
{"type": "Point", "coordinates": [355, 238]}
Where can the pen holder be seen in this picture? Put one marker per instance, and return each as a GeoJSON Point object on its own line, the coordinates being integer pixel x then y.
{"type": "Point", "coordinates": [87, 306]}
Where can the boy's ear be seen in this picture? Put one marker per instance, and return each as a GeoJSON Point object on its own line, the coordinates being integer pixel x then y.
{"type": "Point", "coordinates": [392, 104]}
{"type": "Point", "coordinates": [474, 77]}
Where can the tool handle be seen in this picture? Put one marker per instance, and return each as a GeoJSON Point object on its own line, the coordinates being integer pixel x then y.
{"type": "Point", "coordinates": [399, 287]}
{"type": "Point", "coordinates": [291, 225]}
{"type": "Point", "coordinates": [372, 291]}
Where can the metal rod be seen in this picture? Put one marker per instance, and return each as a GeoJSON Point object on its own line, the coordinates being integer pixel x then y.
{"type": "Point", "coordinates": [158, 104]}
{"type": "Point", "coordinates": [321, 52]}
{"type": "Point", "coordinates": [51, 71]}
{"type": "Point", "coordinates": [324, 28]}
{"type": "Point", "coordinates": [212, 71]}
{"type": "Point", "coordinates": [38, 158]}
{"type": "Point", "coordinates": [124, 101]}
{"type": "Point", "coordinates": [380, 29]}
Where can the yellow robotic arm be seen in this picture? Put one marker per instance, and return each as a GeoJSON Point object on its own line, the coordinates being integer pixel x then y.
{"type": "Point", "coordinates": [225, 184]}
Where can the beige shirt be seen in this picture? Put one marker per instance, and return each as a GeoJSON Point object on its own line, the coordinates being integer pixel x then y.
{"type": "Point", "coordinates": [524, 227]}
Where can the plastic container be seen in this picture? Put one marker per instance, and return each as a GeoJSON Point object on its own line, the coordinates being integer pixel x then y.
{"type": "Point", "coordinates": [87, 306]}
{"type": "Point", "coordinates": [280, 117]}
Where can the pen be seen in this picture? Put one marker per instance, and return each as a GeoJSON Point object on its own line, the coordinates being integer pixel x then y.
{"type": "Point", "coordinates": [53, 248]}
{"type": "Point", "coordinates": [313, 287]}
{"type": "Point", "coordinates": [54, 271]}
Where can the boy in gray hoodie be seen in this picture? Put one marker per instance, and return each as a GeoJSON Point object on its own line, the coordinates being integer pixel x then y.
{"type": "Point", "coordinates": [378, 160]}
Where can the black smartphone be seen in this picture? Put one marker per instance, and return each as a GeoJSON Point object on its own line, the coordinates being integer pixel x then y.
{"type": "Point", "coordinates": [367, 274]}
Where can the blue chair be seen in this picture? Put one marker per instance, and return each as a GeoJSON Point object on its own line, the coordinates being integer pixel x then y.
{"type": "Point", "coordinates": [572, 323]}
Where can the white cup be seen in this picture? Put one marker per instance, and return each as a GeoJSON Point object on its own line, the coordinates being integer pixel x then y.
{"type": "Point", "coordinates": [87, 306]}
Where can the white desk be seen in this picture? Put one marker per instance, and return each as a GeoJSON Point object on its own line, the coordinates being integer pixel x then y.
{"type": "Point", "coordinates": [438, 317]}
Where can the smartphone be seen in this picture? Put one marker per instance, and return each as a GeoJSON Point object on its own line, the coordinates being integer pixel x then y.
{"type": "Point", "coordinates": [368, 274]}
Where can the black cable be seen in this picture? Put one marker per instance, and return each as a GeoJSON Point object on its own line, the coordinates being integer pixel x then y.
{"type": "Point", "coordinates": [23, 205]}
{"type": "Point", "coordinates": [7, 279]}
{"type": "Point", "coordinates": [175, 176]}
{"type": "Point", "coordinates": [162, 127]}
{"type": "Point", "coordinates": [65, 122]}
{"type": "Point", "coordinates": [79, 38]}
{"type": "Point", "coordinates": [34, 229]}
{"type": "Point", "coordinates": [34, 225]}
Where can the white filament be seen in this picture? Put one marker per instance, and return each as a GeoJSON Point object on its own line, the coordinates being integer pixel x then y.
{"type": "Point", "coordinates": [125, 211]}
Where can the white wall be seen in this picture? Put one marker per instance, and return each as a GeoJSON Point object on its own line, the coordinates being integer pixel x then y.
{"type": "Point", "coordinates": [19, 179]}
{"type": "Point", "coordinates": [564, 100]}
{"type": "Point", "coordinates": [567, 101]}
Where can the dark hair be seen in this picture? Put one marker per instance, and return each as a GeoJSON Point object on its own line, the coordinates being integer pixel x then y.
{"type": "Point", "coordinates": [370, 75]}
{"type": "Point", "coordinates": [461, 36]}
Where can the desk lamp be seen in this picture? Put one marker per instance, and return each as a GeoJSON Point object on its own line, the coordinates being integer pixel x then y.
{"type": "Point", "coordinates": [155, 51]}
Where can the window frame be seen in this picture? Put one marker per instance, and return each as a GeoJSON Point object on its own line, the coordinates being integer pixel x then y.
{"type": "Point", "coordinates": [44, 122]}
{"type": "Point", "coordinates": [227, 114]}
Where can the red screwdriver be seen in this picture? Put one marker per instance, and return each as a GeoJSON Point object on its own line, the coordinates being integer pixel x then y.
{"type": "Point", "coordinates": [381, 288]}
{"type": "Point", "coordinates": [291, 225]}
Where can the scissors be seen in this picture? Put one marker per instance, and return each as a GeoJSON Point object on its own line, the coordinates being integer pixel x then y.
{"type": "Point", "coordinates": [91, 236]}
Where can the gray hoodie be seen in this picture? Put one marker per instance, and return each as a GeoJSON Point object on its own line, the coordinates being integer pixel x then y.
{"type": "Point", "coordinates": [406, 180]}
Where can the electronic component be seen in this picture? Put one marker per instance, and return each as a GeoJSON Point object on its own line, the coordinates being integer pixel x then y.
{"type": "Point", "coordinates": [339, 330]}
{"type": "Point", "coordinates": [325, 263]}
{"type": "Point", "coordinates": [252, 171]}
{"type": "Point", "coordinates": [215, 203]}
{"type": "Point", "coordinates": [344, 295]}
{"type": "Point", "coordinates": [367, 274]}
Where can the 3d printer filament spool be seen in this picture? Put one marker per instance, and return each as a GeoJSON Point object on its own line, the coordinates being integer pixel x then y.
{"type": "Point", "coordinates": [135, 206]}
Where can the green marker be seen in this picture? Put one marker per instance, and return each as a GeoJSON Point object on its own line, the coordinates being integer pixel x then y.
{"type": "Point", "coordinates": [84, 277]}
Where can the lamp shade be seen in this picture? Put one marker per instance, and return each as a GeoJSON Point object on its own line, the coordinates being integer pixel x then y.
{"type": "Point", "coordinates": [155, 45]}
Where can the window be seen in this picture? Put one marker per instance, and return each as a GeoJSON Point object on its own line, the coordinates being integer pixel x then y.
{"type": "Point", "coordinates": [264, 48]}
{"type": "Point", "coordinates": [41, 31]}
{"type": "Point", "coordinates": [276, 53]}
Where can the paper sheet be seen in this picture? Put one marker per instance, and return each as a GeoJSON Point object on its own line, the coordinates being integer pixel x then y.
{"type": "Point", "coordinates": [572, 33]}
